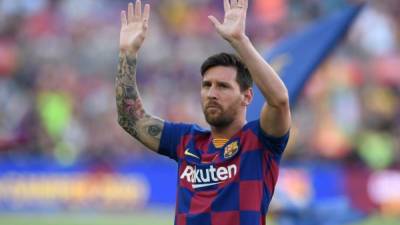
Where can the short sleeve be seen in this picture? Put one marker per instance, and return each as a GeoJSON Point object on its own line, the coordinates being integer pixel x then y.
{"type": "Point", "coordinates": [171, 137]}
{"type": "Point", "coordinates": [276, 144]}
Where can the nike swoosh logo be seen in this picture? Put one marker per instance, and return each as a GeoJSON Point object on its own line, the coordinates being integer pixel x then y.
{"type": "Point", "coordinates": [204, 185]}
{"type": "Point", "coordinates": [190, 154]}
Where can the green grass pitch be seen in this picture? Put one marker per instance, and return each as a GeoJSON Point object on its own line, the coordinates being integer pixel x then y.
{"type": "Point", "coordinates": [136, 218]}
{"type": "Point", "coordinates": [143, 218]}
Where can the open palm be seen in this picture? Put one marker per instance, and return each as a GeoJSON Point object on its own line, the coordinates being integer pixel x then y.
{"type": "Point", "coordinates": [134, 27]}
{"type": "Point", "coordinates": [234, 20]}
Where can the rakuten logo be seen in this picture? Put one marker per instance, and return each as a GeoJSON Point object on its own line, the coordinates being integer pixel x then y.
{"type": "Point", "coordinates": [208, 176]}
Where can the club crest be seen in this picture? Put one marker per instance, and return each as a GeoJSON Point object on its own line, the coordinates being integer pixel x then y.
{"type": "Point", "coordinates": [231, 149]}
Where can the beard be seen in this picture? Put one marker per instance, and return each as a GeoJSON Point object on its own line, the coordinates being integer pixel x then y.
{"type": "Point", "coordinates": [220, 118]}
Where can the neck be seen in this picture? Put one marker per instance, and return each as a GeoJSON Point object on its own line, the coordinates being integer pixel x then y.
{"type": "Point", "coordinates": [228, 131]}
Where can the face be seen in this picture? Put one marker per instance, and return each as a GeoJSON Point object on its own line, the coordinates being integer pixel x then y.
{"type": "Point", "coordinates": [222, 100]}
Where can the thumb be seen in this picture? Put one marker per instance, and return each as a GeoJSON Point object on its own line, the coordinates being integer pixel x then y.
{"type": "Point", "coordinates": [214, 21]}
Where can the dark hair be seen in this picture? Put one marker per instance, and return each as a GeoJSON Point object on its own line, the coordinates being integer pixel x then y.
{"type": "Point", "coordinates": [225, 59]}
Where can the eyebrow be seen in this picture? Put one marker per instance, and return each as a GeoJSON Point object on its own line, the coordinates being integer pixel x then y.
{"type": "Point", "coordinates": [224, 82]}
{"type": "Point", "coordinates": [218, 82]}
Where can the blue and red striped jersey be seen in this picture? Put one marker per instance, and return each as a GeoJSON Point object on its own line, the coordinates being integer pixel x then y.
{"type": "Point", "coordinates": [230, 185]}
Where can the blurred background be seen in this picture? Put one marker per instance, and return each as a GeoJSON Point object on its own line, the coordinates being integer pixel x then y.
{"type": "Point", "coordinates": [65, 160]}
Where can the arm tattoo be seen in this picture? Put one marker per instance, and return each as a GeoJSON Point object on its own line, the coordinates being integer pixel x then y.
{"type": "Point", "coordinates": [154, 130]}
{"type": "Point", "coordinates": [131, 114]}
{"type": "Point", "coordinates": [129, 105]}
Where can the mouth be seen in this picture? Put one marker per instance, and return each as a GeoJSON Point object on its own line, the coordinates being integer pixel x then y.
{"type": "Point", "coordinates": [213, 106]}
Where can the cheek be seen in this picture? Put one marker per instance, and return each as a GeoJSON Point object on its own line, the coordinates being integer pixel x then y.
{"type": "Point", "coordinates": [231, 102]}
{"type": "Point", "coordinates": [203, 97]}
{"type": "Point", "coordinates": [243, 101]}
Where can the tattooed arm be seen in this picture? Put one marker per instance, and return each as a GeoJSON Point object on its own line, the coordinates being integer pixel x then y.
{"type": "Point", "coordinates": [131, 115]}
{"type": "Point", "coordinates": [275, 118]}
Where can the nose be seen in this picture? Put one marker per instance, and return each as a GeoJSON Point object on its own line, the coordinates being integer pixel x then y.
{"type": "Point", "coordinates": [212, 92]}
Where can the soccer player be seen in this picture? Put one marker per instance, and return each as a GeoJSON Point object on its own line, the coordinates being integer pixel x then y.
{"type": "Point", "coordinates": [226, 175]}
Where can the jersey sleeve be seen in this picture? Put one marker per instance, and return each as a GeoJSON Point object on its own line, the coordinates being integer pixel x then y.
{"type": "Point", "coordinates": [171, 138]}
{"type": "Point", "coordinates": [275, 144]}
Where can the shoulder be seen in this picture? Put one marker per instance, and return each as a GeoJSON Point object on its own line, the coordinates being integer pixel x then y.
{"type": "Point", "coordinates": [254, 137]}
{"type": "Point", "coordinates": [255, 127]}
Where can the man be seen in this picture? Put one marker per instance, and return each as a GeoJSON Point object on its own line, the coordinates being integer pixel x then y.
{"type": "Point", "coordinates": [226, 175]}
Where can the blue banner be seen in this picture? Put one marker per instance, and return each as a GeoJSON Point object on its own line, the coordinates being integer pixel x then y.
{"type": "Point", "coordinates": [43, 186]}
{"type": "Point", "coordinates": [296, 57]}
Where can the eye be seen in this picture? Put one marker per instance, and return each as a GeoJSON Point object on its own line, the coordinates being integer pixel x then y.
{"type": "Point", "coordinates": [206, 84]}
{"type": "Point", "coordinates": [223, 85]}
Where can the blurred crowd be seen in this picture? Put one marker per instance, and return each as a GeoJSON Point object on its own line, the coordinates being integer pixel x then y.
{"type": "Point", "coordinates": [58, 61]}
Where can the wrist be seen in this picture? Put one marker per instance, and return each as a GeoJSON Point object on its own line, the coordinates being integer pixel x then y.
{"type": "Point", "coordinates": [239, 40]}
{"type": "Point", "coordinates": [129, 52]}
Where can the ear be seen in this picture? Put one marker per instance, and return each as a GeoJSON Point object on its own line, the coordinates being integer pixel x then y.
{"type": "Point", "coordinates": [247, 97]}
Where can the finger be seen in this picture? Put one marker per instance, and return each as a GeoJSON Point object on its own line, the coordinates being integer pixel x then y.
{"type": "Point", "coordinates": [241, 3]}
{"type": "Point", "coordinates": [146, 12]}
{"type": "Point", "coordinates": [124, 22]}
{"type": "Point", "coordinates": [130, 12]}
{"type": "Point", "coordinates": [138, 9]}
{"type": "Point", "coordinates": [146, 16]}
{"type": "Point", "coordinates": [227, 6]}
{"type": "Point", "coordinates": [245, 4]}
{"type": "Point", "coordinates": [234, 3]}
{"type": "Point", "coordinates": [214, 21]}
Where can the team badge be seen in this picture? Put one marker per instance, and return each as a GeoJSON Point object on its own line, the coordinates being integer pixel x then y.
{"type": "Point", "coordinates": [231, 149]}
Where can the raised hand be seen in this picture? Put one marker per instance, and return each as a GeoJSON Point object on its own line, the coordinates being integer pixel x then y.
{"type": "Point", "coordinates": [134, 27]}
{"type": "Point", "coordinates": [233, 27]}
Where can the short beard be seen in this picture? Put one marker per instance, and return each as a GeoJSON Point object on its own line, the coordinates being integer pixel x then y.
{"type": "Point", "coordinates": [225, 118]}
{"type": "Point", "coordinates": [219, 121]}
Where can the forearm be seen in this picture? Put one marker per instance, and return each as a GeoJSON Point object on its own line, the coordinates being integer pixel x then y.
{"type": "Point", "coordinates": [264, 76]}
{"type": "Point", "coordinates": [132, 116]}
{"type": "Point", "coordinates": [129, 104]}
